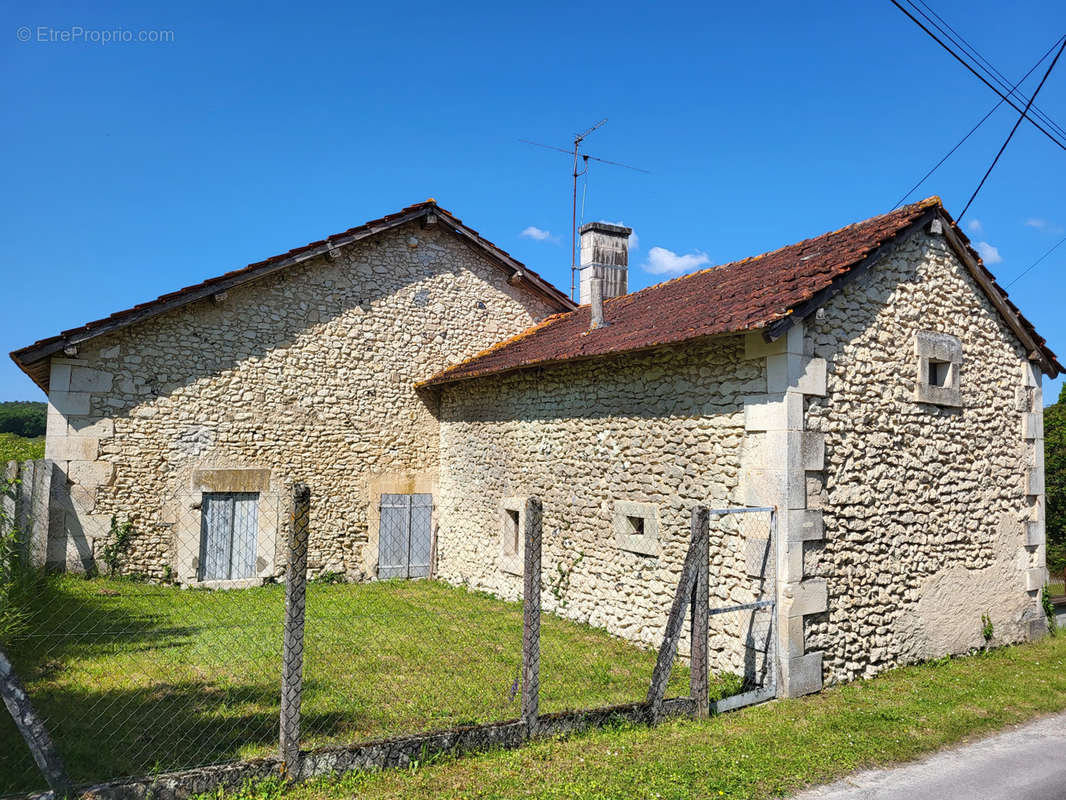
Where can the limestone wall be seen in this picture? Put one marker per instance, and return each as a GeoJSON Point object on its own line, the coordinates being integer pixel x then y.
{"type": "Point", "coordinates": [306, 375]}
{"type": "Point", "coordinates": [598, 441]}
{"type": "Point", "coordinates": [931, 512]}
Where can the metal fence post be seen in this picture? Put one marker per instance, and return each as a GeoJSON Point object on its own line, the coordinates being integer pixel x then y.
{"type": "Point", "coordinates": [293, 645]}
{"type": "Point", "coordinates": [699, 681]}
{"type": "Point", "coordinates": [32, 729]}
{"type": "Point", "coordinates": [534, 513]}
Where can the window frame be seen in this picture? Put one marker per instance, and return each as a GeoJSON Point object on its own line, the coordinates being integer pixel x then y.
{"type": "Point", "coordinates": [206, 498]}
{"type": "Point", "coordinates": [932, 350]}
{"type": "Point", "coordinates": [512, 543]}
{"type": "Point", "coordinates": [645, 544]}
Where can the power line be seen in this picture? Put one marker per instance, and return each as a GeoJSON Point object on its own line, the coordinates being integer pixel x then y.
{"type": "Point", "coordinates": [981, 122]}
{"type": "Point", "coordinates": [1032, 266]}
{"type": "Point", "coordinates": [979, 76]}
{"type": "Point", "coordinates": [1012, 130]}
{"type": "Point", "coordinates": [957, 38]}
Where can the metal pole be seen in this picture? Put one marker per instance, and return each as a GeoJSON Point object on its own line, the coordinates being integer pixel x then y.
{"type": "Point", "coordinates": [293, 644]}
{"type": "Point", "coordinates": [534, 513]}
{"type": "Point", "coordinates": [699, 680]}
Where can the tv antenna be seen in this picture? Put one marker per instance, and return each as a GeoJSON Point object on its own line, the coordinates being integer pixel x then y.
{"type": "Point", "coordinates": [585, 158]}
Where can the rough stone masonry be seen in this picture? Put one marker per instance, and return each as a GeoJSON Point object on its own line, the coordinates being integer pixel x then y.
{"type": "Point", "coordinates": [871, 385]}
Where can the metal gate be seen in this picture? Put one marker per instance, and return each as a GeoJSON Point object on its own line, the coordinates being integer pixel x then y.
{"type": "Point", "coordinates": [405, 535]}
{"type": "Point", "coordinates": [753, 531]}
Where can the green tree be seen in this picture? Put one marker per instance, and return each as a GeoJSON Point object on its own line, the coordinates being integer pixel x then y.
{"type": "Point", "coordinates": [1055, 478]}
{"type": "Point", "coordinates": [23, 418]}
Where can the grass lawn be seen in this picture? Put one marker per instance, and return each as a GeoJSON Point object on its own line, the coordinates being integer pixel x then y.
{"type": "Point", "coordinates": [19, 448]}
{"type": "Point", "coordinates": [764, 751]}
{"type": "Point", "coordinates": [134, 678]}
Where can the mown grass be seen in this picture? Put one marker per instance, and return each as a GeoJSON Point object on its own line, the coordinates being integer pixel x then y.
{"type": "Point", "coordinates": [764, 751]}
{"type": "Point", "coordinates": [19, 448]}
{"type": "Point", "coordinates": [134, 678]}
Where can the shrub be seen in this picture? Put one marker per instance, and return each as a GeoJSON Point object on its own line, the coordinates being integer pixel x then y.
{"type": "Point", "coordinates": [116, 545]}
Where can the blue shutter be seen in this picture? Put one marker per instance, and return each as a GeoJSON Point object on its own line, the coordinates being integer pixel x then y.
{"type": "Point", "coordinates": [229, 524]}
{"type": "Point", "coordinates": [421, 542]}
{"type": "Point", "coordinates": [394, 535]}
{"type": "Point", "coordinates": [216, 523]}
{"type": "Point", "coordinates": [245, 528]}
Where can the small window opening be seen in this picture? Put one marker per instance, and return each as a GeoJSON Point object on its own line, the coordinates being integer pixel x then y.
{"type": "Point", "coordinates": [635, 526]}
{"type": "Point", "coordinates": [940, 373]}
{"type": "Point", "coordinates": [511, 535]}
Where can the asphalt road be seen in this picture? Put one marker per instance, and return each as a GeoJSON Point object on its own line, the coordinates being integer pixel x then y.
{"type": "Point", "coordinates": [1024, 763]}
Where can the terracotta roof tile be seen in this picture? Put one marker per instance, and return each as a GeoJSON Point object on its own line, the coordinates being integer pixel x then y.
{"type": "Point", "coordinates": [742, 296]}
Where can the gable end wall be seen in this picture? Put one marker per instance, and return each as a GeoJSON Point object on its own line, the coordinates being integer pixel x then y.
{"type": "Point", "coordinates": [932, 514]}
{"type": "Point", "coordinates": [306, 375]}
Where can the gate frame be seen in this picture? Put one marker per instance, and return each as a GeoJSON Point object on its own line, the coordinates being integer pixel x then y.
{"type": "Point", "coordinates": [770, 690]}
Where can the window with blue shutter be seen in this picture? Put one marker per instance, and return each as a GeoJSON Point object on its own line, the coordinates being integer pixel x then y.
{"type": "Point", "coordinates": [405, 535]}
{"type": "Point", "coordinates": [229, 524]}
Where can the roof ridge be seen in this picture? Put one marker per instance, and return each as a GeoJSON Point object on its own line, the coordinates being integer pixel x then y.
{"type": "Point", "coordinates": [753, 293]}
{"type": "Point", "coordinates": [929, 202]}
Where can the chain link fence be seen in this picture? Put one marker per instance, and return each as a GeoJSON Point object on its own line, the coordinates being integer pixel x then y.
{"type": "Point", "coordinates": [192, 634]}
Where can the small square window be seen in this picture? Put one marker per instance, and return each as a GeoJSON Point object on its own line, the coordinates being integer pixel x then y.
{"type": "Point", "coordinates": [636, 527]}
{"type": "Point", "coordinates": [940, 373]}
{"type": "Point", "coordinates": [939, 364]}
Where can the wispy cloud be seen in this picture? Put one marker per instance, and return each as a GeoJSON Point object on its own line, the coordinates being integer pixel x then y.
{"type": "Point", "coordinates": [975, 226]}
{"type": "Point", "coordinates": [666, 262]}
{"type": "Point", "coordinates": [989, 254]}
{"type": "Point", "coordinates": [538, 234]}
{"type": "Point", "coordinates": [1043, 225]}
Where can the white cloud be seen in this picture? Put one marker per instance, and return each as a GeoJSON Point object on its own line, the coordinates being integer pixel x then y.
{"type": "Point", "coordinates": [1043, 225]}
{"type": "Point", "coordinates": [666, 262]}
{"type": "Point", "coordinates": [989, 254]}
{"type": "Point", "coordinates": [975, 226]}
{"type": "Point", "coordinates": [540, 235]}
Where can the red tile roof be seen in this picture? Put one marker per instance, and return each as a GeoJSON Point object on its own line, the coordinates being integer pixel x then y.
{"type": "Point", "coordinates": [34, 359]}
{"type": "Point", "coordinates": [743, 296]}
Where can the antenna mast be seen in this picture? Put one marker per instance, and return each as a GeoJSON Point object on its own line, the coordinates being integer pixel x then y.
{"type": "Point", "coordinates": [578, 139]}
{"type": "Point", "coordinates": [573, 216]}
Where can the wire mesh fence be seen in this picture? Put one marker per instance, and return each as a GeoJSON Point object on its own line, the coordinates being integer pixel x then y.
{"type": "Point", "coordinates": [192, 633]}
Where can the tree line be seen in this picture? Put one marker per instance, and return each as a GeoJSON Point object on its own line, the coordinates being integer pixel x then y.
{"type": "Point", "coordinates": [23, 418]}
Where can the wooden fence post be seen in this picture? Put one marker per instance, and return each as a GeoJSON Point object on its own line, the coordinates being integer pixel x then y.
{"type": "Point", "coordinates": [293, 645]}
{"type": "Point", "coordinates": [32, 729]}
{"type": "Point", "coordinates": [699, 681]}
{"type": "Point", "coordinates": [534, 514]}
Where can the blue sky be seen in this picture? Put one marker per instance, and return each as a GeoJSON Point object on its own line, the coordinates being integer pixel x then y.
{"type": "Point", "coordinates": [133, 169]}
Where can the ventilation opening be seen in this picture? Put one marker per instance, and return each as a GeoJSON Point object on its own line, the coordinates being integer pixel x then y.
{"type": "Point", "coordinates": [634, 526]}
{"type": "Point", "coordinates": [940, 373]}
{"type": "Point", "coordinates": [512, 532]}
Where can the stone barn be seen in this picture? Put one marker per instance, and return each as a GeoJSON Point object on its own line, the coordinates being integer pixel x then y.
{"type": "Point", "coordinates": [873, 384]}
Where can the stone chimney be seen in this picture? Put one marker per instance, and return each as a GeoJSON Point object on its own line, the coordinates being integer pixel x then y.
{"type": "Point", "coordinates": [604, 254]}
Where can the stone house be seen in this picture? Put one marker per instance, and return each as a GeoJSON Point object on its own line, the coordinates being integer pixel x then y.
{"type": "Point", "coordinates": [873, 384]}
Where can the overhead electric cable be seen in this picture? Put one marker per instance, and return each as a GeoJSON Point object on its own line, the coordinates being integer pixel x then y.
{"type": "Point", "coordinates": [972, 52]}
{"type": "Point", "coordinates": [979, 76]}
{"type": "Point", "coordinates": [1012, 130]}
{"type": "Point", "coordinates": [981, 122]}
{"type": "Point", "coordinates": [1032, 266]}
